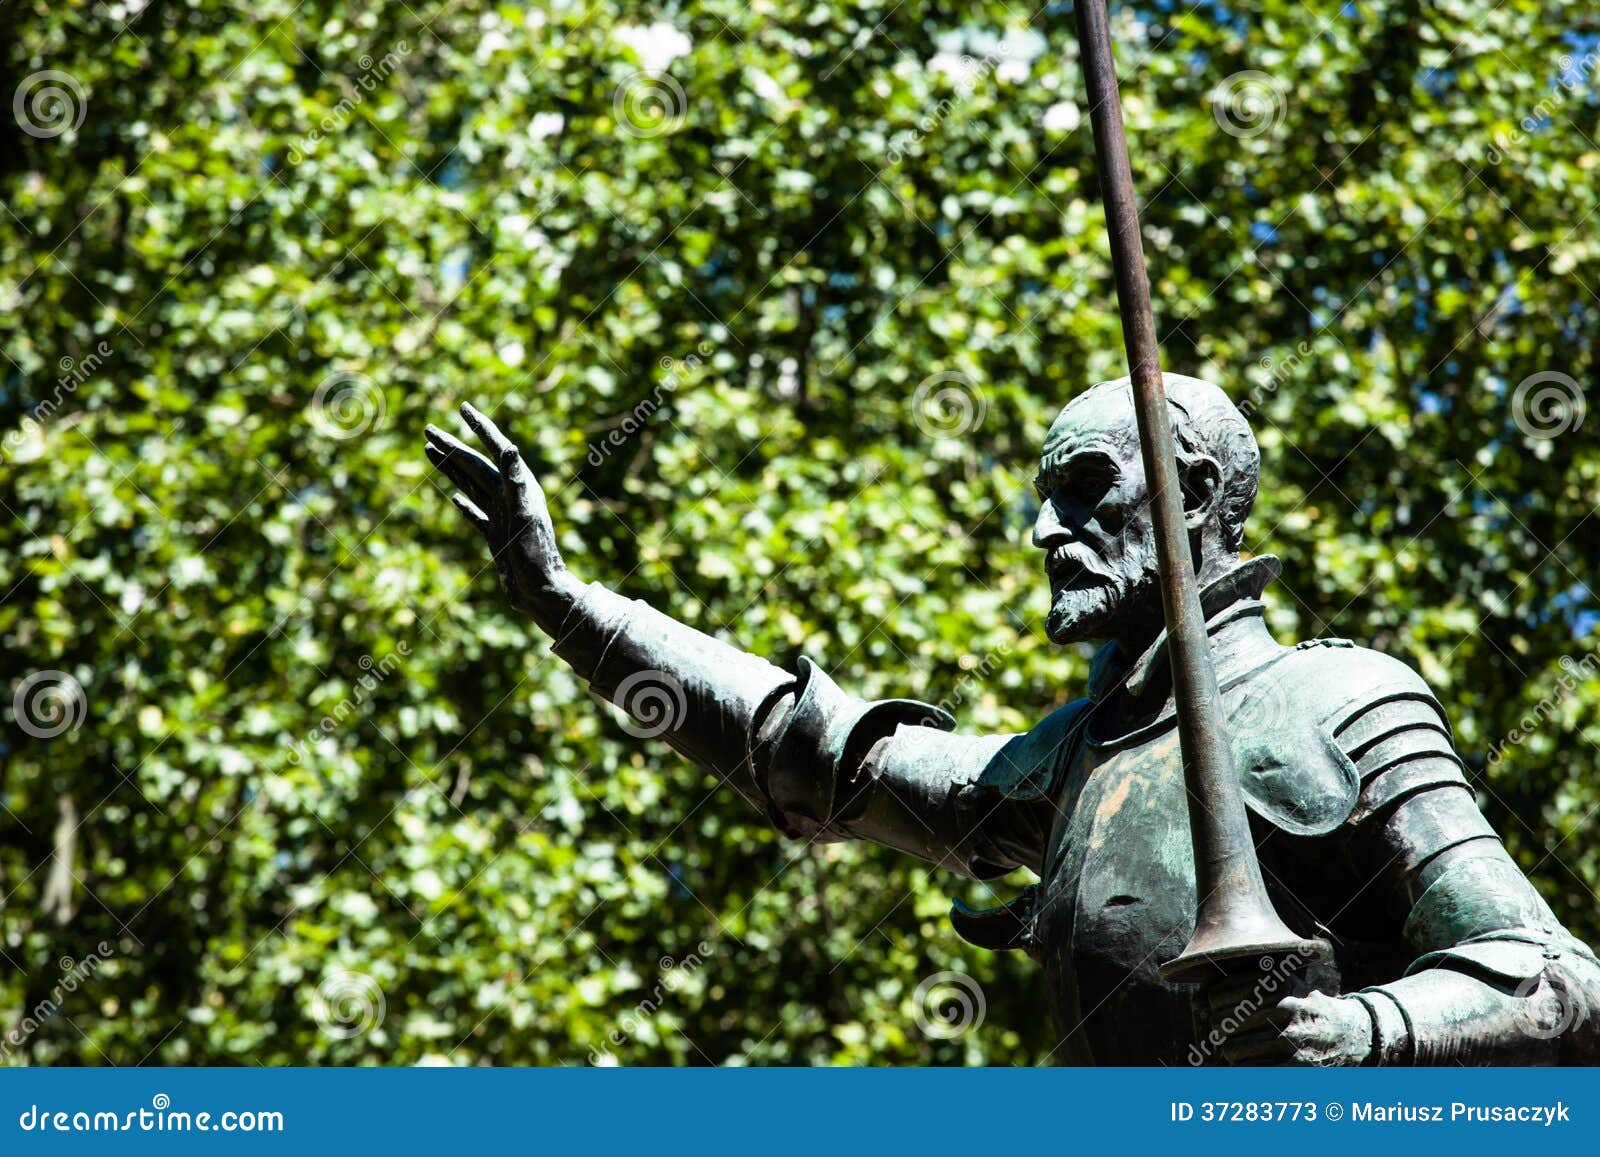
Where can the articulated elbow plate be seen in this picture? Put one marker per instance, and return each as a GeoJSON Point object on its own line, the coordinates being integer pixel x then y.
{"type": "Point", "coordinates": [786, 743]}
{"type": "Point", "coordinates": [1508, 985]}
{"type": "Point", "coordinates": [816, 748]}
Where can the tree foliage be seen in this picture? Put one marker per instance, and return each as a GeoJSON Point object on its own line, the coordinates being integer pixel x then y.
{"type": "Point", "coordinates": [779, 297]}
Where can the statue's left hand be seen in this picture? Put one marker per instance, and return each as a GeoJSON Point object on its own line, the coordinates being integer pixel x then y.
{"type": "Point", "coordinates": [1303, 1030]}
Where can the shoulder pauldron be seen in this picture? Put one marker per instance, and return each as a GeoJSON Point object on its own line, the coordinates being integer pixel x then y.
{"type": "Point", "coordinates": [1300, 724]}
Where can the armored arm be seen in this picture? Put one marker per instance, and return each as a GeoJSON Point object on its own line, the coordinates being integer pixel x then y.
{"type": "Point", "coordinates": [791, 744]}
{"type": "Point", "coordinates": [794, 745]}
{"type": "Point", "coordinates": [1496, 978]}
{"type": "Point", "coordinates": [824, 765]}
{"type": "Point", "coordinates": [704, 698]}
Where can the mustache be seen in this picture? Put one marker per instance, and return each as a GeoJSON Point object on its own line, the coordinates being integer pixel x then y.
{"type": "Point", "coordinates": [1071, 561]}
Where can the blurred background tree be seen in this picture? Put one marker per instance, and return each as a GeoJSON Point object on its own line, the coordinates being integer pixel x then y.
{"type": "Point", "coordinates": [780, 297]}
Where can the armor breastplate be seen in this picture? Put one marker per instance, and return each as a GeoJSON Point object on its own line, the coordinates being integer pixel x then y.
{"type": "Point", "coordinates": [1117, 899]}
{"type": "Point", "coordinates": [1094, 800]}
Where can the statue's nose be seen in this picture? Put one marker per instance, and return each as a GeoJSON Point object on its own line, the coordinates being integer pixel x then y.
{"type": "Point", "coordinates": [1047, 528]}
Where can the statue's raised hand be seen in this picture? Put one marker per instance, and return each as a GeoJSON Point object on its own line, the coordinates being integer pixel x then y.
{"type": "Point", "coordinates": [501, 498]}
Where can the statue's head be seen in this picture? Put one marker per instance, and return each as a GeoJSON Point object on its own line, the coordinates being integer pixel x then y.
{"type": "Point", "coordinates": [1094, 521]}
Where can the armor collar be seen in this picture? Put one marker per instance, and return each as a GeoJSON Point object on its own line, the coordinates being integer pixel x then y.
{"type": "Point", "coordinates": [1232, 598]}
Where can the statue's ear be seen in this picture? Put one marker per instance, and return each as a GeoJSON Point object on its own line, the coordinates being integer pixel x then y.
{"type": "Point", "coordinates": [1202, 489]}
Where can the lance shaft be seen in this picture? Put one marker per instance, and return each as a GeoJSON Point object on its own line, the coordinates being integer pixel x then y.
{"type": "Point", "coordinates": [1235, 919]}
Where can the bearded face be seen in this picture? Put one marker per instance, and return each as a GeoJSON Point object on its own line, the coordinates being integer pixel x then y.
{"type": "Point", "coordinates": [1089, 602]}
{"type": "Point", "coordinates": [1094, 521]}
{"type": "Point", "coordinates": [1094, 527]}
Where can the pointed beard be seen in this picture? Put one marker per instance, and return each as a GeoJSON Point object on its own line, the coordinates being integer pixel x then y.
{"type": "Point", "coordinates": [1100, 610]}
{"type": "Point", "coordinates": [1080, 613]}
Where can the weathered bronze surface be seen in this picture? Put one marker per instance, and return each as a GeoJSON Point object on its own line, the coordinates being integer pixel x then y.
{"type": "Point", "coordinates": [1236, 923]}
{"type": "Point", "coordinates": [1367, 829]}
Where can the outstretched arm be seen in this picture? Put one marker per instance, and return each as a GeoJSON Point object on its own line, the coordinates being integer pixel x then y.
{"type": "Point", "coordinates": [793, 744]}
{"type": "Point", "coordinates": [704, 698]}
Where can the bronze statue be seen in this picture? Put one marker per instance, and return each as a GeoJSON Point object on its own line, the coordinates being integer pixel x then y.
{"type": "Point", "coordinates": [1216, 799]}
{"type": "Point", "coordinates": [1367, 830]}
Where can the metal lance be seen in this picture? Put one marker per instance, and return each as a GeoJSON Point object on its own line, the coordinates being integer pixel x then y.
{"type": "Point", "coordinates": [1235, 921]}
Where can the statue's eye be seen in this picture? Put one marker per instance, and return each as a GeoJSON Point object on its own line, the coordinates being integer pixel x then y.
{"type": "Point", "coordinates": [1091, 481]}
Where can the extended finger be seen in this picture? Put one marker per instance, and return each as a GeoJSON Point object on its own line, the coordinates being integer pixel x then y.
{"type": "Point", "coordinates": [524, 496]}
{"type": "Point", "coordinates": [487, 431]}
{"type": "Point", "coordinates": [454, 469]}
{"type": "Point", "coordinates": [473, 514]}
{"type": "Point", "coordinates": [522, 493]}
{"type": "Point", "coordinates": [466, 467]}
